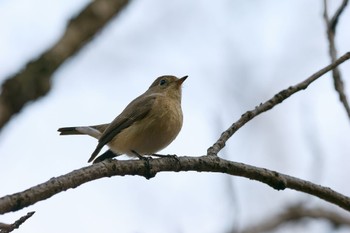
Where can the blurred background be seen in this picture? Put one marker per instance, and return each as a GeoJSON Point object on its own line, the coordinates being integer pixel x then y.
{"type": "Point", "coordinates": [237, 54]}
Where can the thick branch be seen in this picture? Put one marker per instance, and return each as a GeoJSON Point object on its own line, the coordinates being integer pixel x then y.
{"type": "Point", "coordinates": [296, 213]}
{"type": "Point", "coordinates": [34, 81]}
{"type": "Point", "coordinates": [149, 169]}
{"type": "Point", "coordinates": [277, 99]}
{"type": "Point", "coordinates": [331, 26]}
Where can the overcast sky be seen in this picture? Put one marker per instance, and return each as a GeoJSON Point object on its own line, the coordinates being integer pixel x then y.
{"type": "Point", "coordinates": [237, 54]}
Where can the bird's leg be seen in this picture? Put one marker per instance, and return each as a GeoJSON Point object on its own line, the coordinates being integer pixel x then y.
{"type": "Point", "coordinates": [138, 155]}
{"type": "Point", "coordinates": [148, 165]}
{"type": "Point", "coordinates": [160, 156]}
{"type": "Point", "coordinates": [167, 156]}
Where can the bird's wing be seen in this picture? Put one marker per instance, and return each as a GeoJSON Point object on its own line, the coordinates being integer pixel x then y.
{"type": "Point", "coordinates": [135, 111]}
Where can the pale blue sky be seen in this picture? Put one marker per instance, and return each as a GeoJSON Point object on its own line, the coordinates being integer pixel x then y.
{"type": "Point", "coordinates": [237, 54]}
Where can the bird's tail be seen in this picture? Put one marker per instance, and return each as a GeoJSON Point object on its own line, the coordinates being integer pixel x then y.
{"type": "Point", "coordinates": [93, 131]}
{"type": "Point", "coordinates": [69, 131]}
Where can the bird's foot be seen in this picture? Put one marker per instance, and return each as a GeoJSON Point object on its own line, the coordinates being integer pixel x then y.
{"type": "Point", "coordinates": [147, 164]}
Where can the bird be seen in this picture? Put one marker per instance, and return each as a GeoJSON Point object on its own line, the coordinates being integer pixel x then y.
{"type": "Point", "coordinates": [147, 125]}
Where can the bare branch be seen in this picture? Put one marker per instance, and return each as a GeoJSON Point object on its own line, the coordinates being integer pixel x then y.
{"type": "Point", "coordinates": [277, 99]}
{"type": "Point", "coordinates": [296, 213]}
{"type": "Point", "coordinates": [150, 168]}
{"type": "Point", "coordinates": [34, 81]}
{"type": "Point", "coordinates": [331, 26]}
{"type": "Point", "coordinates": [6, 228]}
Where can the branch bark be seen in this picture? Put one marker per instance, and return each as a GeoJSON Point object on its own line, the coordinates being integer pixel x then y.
{"type": "Point", "coordinates": [209, 163]}
{"type": "Point", "coordinates": [150, 168]}
{"type": "Point", "coordinates": [6, 228]}
{"type": "Point", "coordinates": [34, 81]}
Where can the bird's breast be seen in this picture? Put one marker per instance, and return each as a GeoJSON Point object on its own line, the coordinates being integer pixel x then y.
{"type": "Point", "coordinates": [152, 133]}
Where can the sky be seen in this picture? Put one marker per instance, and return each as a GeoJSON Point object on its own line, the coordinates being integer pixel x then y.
{"type": "Point", "coordinates": [237, 54]}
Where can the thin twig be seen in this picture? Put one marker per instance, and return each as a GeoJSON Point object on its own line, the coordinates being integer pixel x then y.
{"type": "Point", "coordinates": [334, 21]}
{"type": "Point", "coordinates": [331, 27]}
{"type": "Point", "coordinates": [6, 228]}
{"type": "Point", "coordinates": [277, 99]}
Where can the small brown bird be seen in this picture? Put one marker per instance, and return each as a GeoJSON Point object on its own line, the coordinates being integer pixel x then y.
{"type": "Point", "coordinates": [148, 124]}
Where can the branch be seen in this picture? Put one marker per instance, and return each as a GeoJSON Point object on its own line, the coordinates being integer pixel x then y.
{"type": "Point", "coordinates": [34, 81]}
{"type": "Point", "coordinates": [151, 167]}
{"type": "Point", "coordinates": [296, 213]}
{"type": "Point", "coordinates": [6, 228]}
{"type": "Point", "coordinates": [277, 99]}
{"type": "Point", "coordinates": [331, 26]}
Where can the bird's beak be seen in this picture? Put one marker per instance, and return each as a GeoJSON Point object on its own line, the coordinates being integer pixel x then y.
{"type": "Point", "coordinates": [181, 80]}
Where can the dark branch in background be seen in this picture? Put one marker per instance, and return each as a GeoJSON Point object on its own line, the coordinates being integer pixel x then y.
{"type": "Point", "coordinates": [296, 213]}
{"type": "Point", "coordinates": [34, 81]}
{"type": "Point", "coordinates": [6, 228]}
{"type": "Point", "coordinates": [331, 27]}
{"type": "Point", "coordinates": [332, 24]}
{"type": "Point", "coordinates": [277, 99]}
{"type": "Point", "coordinates": [208, 163]}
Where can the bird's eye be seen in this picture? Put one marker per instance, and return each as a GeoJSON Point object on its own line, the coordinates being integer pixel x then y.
{"type": "Point", "coordinates": [162, 82]}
